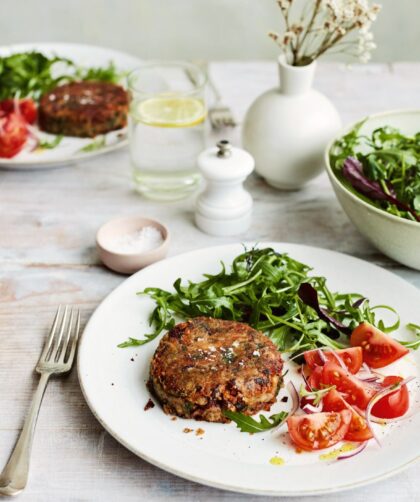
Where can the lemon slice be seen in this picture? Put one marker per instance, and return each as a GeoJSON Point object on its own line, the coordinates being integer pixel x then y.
{"type": "Point", "coordinates": [170, 111]}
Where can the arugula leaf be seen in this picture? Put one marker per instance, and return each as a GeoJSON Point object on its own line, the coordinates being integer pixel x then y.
{"type": "Point", "coordinates": [261, 288]}
{"type": "Point", "coordinates": [107, 74]}
{"type": "Point", "coordinates": [249, 424]}
{"type": "Point", "coordinates": [315, 395]}
{"type": "Point", "coordinates": [96, 144]}
{"type": "Point", "coordinates": [49, 145]}
{"type": "Point", "coordinates": [414, 344]}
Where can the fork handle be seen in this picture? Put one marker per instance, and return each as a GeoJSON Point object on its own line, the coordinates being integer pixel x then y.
{"type": "Point", "coordinates": [14, 477]}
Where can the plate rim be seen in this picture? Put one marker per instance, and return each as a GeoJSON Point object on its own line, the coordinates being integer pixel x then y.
{"type": "Point", "coordinates": [9, 164]}
{"type": "Point", "coordinates": [211, 483]}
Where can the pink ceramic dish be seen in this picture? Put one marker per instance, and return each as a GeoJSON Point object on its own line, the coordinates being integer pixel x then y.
{"type": "Point", "coordinates": [129, 262]}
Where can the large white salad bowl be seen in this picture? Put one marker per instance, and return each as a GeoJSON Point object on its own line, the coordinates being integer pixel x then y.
{"type": "Point", "coordinates": [396, 237]}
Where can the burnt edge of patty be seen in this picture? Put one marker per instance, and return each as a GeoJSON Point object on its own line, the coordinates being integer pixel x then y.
{"type": "Point", "coordinates": [256, 393]}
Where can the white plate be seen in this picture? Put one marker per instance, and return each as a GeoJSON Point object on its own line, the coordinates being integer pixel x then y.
{"type": "Point", "coordinates": [69, 149]}
{"type": "Point", "coordinates": [113, 382]}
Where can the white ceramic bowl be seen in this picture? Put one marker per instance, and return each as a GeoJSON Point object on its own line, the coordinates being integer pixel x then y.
{"type": "Point", "coordinates": [128, 262]}
{"type": "Point", "coordinates": [396, 237]}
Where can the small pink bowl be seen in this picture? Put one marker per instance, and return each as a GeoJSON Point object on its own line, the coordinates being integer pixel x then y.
{"type": "Point", "coordinates": [128, 262]}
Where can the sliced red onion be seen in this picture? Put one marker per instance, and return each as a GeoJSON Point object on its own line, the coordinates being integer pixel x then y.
{"type": "Point", "coordinates": [310, 408]}
{"type": "Point", "coordinates": [367, 377]}
{"type": "Point", "coordinates": [353, 453]}
{"type": "Point", "coordinates": [33, 135]}
{"type": "Point", "coordinates": [295, 398]}
{"type": "Point", "coordinates": [377, 397]}
{"type": "Point", "coordinates": [322, 356]}
{"type": "Point", "coordinates": [306, 381]}
{"type": "Point", "coordinates": [366, 368]}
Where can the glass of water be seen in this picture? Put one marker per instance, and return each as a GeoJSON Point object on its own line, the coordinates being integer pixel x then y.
{"type": "Point", "coordinates": [166, 128]}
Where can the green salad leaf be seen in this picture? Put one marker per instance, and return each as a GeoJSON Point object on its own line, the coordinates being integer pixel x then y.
{"type": "Point", "coordinates": [390, 164]}
{"type": "Point", "coordinates": [32, 74]}
{"type": "Point", "coordinates": [261, 288]}
{"type": "Point", "coordinates": [98, 143]}
{"type": "Point", "coordinates": [413, 344]}
{"type": "Point", "coordinates": [251, 425]}
{"type": "Point", "coordinates": [49, 145]}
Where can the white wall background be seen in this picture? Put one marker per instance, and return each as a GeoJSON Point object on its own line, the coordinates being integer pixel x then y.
{"type": "Point", "coordinates": [185, 29]}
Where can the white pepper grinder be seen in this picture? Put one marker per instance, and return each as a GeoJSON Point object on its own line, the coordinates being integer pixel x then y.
{"type": "Point", "coordinates": [224, 207]}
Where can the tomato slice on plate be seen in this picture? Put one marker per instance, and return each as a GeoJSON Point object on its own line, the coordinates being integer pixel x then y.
{"type": "Point", "coordinates": [351, 357]}
{"type": "Point", "coordinates": [319, 430]}
{"type": "Point", "coordinates": [13, 134]}
{"type": "Point", "coordinates": [315, 378]}
{"type": "Point", "coordinates": [358, 428]}
{"type": "Point", "coordinates": [358, 393]}
{"type": "Point", "coordinates": [26, 107]}
{"type": "Point", "coordinates": [393, 405]}
{"type": "Point", "coordinates": [379, 349]}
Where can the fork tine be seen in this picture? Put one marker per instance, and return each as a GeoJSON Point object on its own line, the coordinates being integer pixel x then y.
{"type": "Point", "coordinates": [55, 352]}
{"type": "Point", "coordinates": [48, 343]}
{"type": "Point", "coordinates": [66, 339]}
{"type": "Point", "coordinates": [75, 340]}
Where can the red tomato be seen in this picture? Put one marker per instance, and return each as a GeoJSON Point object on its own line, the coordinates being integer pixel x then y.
{"type": "Point", "coordinates": [379, 349]}
{"type": "Point", "coordinates": [28, 110]}
{"type": "Point", "coordinates": [13, 134]}
{"type": "Point", "coordinates": [314, 380]}
{"type": "Point", "coordinates": [393, 405]}
{"type": "Point", "coordinates": [358, 429]}
{"type": "Point", "coordinates": [352, 358]}
{"type": "Point", "coordinates": [358, 393]}
{"type": "Point", "coordinates": [319, 430]}
{"type": "Point", "coordinates": [26, 107]}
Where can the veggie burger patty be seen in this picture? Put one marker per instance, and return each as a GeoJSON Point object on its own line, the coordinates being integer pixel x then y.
{"type": "Point", "coordinates": [83, 109]}
{"type": "Point", "coordinates": [204, 366]}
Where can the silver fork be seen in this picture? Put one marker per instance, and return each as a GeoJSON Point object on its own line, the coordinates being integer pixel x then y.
{"type": "Point", "coordinates": [56, 359]}
{"type": "Point", "coordinates": [220, 115]}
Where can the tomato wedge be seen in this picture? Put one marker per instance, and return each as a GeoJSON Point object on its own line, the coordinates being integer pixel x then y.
{"type": "Point", "coordinates": [314, 380]}
{"type": "Point", "coordinates": [358, 393]}
{"type": "Point", "coordinates": [13, 134]}
{"type": "Point", "coordinates": [25, 107]}
{"type": "Point", "coordinates": [351, 357]}
{"type": "Point", "coordinates": [319, 430]}
{"type": "Point", "coordinates": [393, 405]}
{"type": "Point", "coordinates": [358, 428]}
{"type": "Point", "coordinates": [379, 349]}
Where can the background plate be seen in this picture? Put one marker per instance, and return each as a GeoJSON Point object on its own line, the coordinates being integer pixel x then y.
{"type": "Point", "coordinates": [113, 382]}
{"type": "Point", "coordinates": [69, 149]}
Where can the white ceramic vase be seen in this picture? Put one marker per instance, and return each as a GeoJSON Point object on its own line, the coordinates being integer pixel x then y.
{"type": "Point", "coordinates": [286, 129]}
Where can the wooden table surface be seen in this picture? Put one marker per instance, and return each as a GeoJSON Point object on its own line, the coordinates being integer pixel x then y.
{"type": "Point", "coordinates": [48, 221]}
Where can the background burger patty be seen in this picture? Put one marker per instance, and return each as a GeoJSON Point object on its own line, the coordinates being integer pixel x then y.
{"type": "Point", "coordinates": [204, 366]}
{"type": "Point", "coordinates": [83, 109]}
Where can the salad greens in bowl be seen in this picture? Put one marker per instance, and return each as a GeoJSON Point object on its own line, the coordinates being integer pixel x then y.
{"type": "Point", "coordinates": [374, 168]}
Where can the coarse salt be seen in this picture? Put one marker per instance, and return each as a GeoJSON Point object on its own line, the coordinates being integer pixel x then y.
{"type": "Point", "coordinates": [141, 241]}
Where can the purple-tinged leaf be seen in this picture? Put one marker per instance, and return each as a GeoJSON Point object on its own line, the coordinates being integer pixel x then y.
{"type": "Point", "coordinates": [307, 293]}
{"type": "Point", "coordinates": [353, 172]}
{"type": "Point", "coordinates": [358, 303]}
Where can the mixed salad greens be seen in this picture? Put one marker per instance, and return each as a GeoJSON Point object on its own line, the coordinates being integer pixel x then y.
{"type": "Point", "coordinates": [383, 169]}
{"type": "Point", "coordinates": [32, 74]}
{"type": "Point", "coordinates": [273, 293]}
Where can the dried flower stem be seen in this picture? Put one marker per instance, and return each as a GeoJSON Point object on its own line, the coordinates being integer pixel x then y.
{"type": "Point", "coordinates": [323, 25]}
